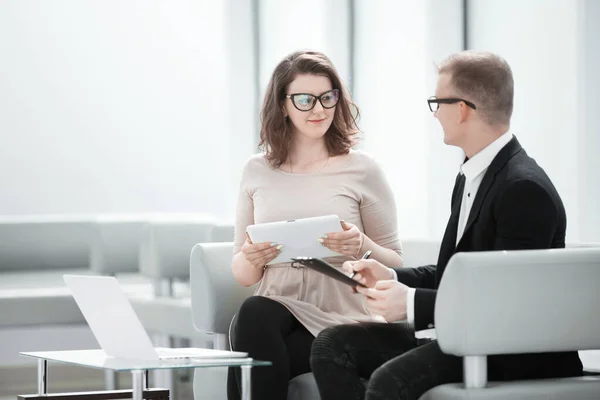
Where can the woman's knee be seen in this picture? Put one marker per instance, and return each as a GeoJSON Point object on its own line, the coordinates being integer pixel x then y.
{"type": "Point", "coordinates": [256, 314]}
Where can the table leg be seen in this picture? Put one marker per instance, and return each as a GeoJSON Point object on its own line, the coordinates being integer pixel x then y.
{"type": "Point", "coordinates": [137, 380]}
{"type": "Point", "coordinates": [246, 382]}
{"type": "Point", "coordinates": [42, 376]}
{"type": "Point", "coordinates": [111, 380]}
{"type": "Point", "coordinates": [146, 382]}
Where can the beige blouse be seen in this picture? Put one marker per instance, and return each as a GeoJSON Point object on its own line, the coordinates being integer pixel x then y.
{"type": "Point", "coordinates": [357, 192]}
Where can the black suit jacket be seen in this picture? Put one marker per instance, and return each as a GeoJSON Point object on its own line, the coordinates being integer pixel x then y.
{"type": "Point", "coordinates": [516, 207]}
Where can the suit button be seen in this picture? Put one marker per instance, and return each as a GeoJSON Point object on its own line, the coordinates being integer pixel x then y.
{"type": "Point", "coordinates": [430, 326]}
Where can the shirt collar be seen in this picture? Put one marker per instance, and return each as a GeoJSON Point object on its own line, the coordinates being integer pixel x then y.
{"type": "Point", "coordinates": [482, 160]}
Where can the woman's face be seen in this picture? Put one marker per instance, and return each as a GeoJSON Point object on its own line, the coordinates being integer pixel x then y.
{"type": "Point", "coordinates": [310, 117]}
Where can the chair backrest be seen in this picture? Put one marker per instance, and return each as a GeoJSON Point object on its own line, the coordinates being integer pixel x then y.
{"type": "Point", "coordinates": [216, 295]}
{"type": "Point", "coordinates": [527, 301]}
{"type": "Point", "coordinates": [418, 252]}
{"type": "Point", "coordinates": [223, 233]}
{"type": "Point", "coordinates": [44, 242]}
{"type": "Point", "coordinates": [161, 241]}
{"type": "Point", "coordinates": [115, 245]}
{"type": "Point", "coordinates": [164, 251]}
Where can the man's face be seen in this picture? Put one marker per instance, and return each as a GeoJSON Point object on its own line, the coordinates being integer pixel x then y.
{"type": "Point", "coordinates": [449, 115]}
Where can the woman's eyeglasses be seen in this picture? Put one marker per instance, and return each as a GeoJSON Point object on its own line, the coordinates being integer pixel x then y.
{"type": "Point", "coordinates": [434, 103]}
{"type": "Point", "coordinates": [306, 101]}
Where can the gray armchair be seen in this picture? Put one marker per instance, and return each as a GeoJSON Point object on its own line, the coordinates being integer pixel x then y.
{"type": "Point", "coordinates": [518, 302]}
{"type": "Point", "coordinates": [216, 297]}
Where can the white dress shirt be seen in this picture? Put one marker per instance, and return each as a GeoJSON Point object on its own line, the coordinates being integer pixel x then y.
{"type": "Point", "coordinates": [473, 170]}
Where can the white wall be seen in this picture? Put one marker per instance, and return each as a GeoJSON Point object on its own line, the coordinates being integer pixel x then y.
{"type": "Point", "coordinates": [114, 106]}
{"type": "Point", "coordinates": [398, 43]}
{"type": "Point", "coordinates": [288, 26]}
{"type": "Point", "coordinates": [242, 104]}
{"type": "Point", "coordinates": [541, 40]}
{"type": "Point", "coordinates": [151, 106]}
{"type": "Point", "coordinates": [589, 84]}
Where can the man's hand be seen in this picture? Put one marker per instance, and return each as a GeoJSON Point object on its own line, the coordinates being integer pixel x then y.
{"type": "Point", "coordinates": [368, 272]}
{"type": "Point", "coordinates": [388, 299]}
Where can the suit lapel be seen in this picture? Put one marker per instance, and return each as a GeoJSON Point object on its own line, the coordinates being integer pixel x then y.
{"type": "Point", "coordinates": [507, 152]}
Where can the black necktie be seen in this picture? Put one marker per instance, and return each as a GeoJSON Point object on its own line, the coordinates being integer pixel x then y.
{"type": "Point", "coordinates": [449, 241]}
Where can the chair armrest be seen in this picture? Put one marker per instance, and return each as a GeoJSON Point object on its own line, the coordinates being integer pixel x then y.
{"type": "Point", "coordinates": [216, 295]}
{"type": "Point", "coordinates": [510, 302]}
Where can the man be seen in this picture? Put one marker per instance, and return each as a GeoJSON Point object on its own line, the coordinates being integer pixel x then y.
{"type": "Point", "coordinates": [502, 200]}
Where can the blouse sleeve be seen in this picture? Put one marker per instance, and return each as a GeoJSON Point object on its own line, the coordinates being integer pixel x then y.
{"type": "Point", "coordinates": [378, 209]}
{"type": "Point", "coordinates": [244, 215]}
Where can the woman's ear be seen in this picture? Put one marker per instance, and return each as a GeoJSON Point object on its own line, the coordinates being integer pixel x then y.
{"type": "Point", "coordinates": [283, 111]}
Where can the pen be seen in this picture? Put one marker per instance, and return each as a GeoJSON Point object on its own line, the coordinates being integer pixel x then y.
{"type": "Point", "coordinates": [364, 257]}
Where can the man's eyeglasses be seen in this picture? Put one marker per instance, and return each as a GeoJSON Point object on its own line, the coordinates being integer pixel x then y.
{"type": "Point", "coordinates": [434, 103]}
{"type": "Point", "coordinates": [306, 101]}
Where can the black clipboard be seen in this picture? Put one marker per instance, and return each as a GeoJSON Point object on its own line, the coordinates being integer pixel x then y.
{"type": "Point", "coordinates": [325, 268]}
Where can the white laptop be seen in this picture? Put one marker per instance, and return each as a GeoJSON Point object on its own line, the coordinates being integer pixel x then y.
{"type": "Point", "coordinates": [116, 326]}
{"type": "Point", "coordinates": [299, 237]}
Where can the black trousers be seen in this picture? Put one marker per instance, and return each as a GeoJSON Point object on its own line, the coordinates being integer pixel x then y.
{"type": "Point", "coordinates": [399, 368]}
{"type": "Point", "coordinates": [386, 354]}
{"type": "Point", "coordinates": [268, 331]}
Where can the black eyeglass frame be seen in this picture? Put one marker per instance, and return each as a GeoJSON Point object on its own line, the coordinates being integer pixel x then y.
{"type": "Point", "coordinates": [448, 100]}
{"type": "Point", "coordinates": [317, 98]}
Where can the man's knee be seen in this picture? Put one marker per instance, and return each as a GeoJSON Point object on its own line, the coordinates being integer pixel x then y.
{"type": "Point", "coordinates": [384, 382]}
{"type": "Point", "coordinates": [325, 344]}
{"type": "Point", "coordinates": [382, 377]}
{"type": "Point", "coordinates": [331, 345]}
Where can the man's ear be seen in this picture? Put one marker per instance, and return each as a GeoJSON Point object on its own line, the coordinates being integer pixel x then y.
{"type": "Point", "coordinates": [464, 111]}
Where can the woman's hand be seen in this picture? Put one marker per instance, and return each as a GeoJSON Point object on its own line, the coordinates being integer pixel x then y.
{"type": "Point", "coordinates": [260, 254]}
{"type": "Point", "coordinates": [349, 242]}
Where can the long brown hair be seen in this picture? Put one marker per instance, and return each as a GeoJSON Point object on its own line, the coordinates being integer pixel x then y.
{"type": "Point", "coordinates": [276, 130]}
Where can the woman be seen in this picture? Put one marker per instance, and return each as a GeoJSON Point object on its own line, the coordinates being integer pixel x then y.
{"type": "Point", "coordinates": [308, 169]}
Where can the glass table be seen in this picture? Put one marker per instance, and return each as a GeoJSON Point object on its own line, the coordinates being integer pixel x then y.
{"type": "Point", "coordinates": [139, 371]}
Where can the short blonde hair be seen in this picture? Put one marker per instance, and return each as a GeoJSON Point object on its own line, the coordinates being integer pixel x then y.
{"type": "Point", "coordinates": [486, 80]}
